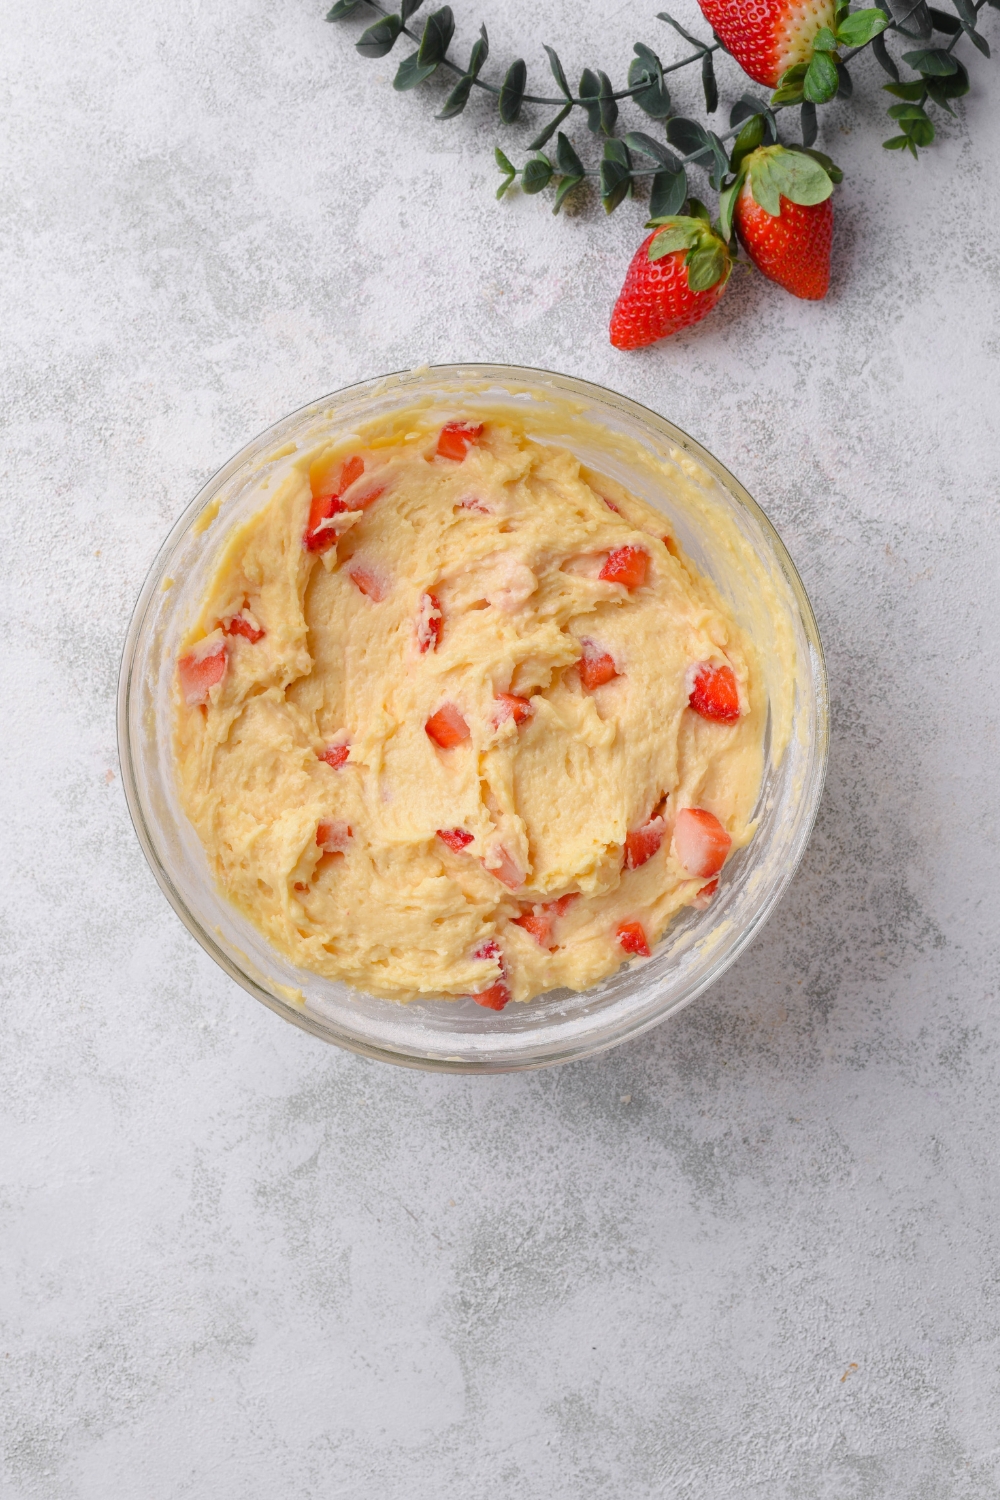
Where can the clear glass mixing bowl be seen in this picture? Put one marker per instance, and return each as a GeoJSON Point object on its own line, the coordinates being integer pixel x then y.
{"type": "Point", "coordinates": [725, 533]}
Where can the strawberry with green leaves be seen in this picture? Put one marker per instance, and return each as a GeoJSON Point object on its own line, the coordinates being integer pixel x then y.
{"type": "Point", "coordinates": [677, 275]}
{"type": "Point", "coordinates": [791, 45]}
{"type": "Point", "coordinates": [779, 202]}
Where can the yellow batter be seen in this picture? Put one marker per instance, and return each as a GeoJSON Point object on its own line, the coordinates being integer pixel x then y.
{"type": "Point", "coordinates": [340, 706]}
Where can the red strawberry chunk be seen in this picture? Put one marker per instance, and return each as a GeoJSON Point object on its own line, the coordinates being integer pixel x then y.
{"type": "Point", "coordinates": [447, 727]}
{"type": "Point", "coordinates": [633, 938]}
{"type": "Point", "coordinates": [326, 501]}
{"type": "Point", "coordinates": [456, 838]}
{"type": "Point", "coordinates": [200, 670]}
{"type": "Point", "coordinates": [626, 565]}
{"type": "Point", "coordinates": [504, 868]}
{"type": "Point", "coordinates": [456, 438]}
{"type": "Point", "coordinates": [714, 692]}
{"type": "Point", "coordinates": [704, 896]}
{"type": "Point", "coordinates": [333, 835]}
{"type": "Point", "coordinates": [498, 995]}
{"type": "Point", "coordinates": [368, 583]}
{"type": "Point", "coordinates": [335, 755]}
{"type": "Point", "coordinates": [510, 706]}
{"type": "Point", "coordinates": [538, 922]}
{"type": "Point", "coordinates": [244, 624]}
{"type": "Point", "coordinates": [700, 841]}
{"type": "Point", "coordinates": [642, 843]}
{"type": "Point", "coordinates": [596, 666]}
{"type": "Point", "coordinates": [470, 503]}
{"type": "Point", "coordinates": [611, 505]}
{"type": "Point", "coordinates": [430, 623]}
{"type": "Point", "coordinates": [562, 906]}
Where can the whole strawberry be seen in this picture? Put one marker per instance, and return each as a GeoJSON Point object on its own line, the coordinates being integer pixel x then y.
{"type": "Point", "coordinates": [767, 37]}
{"type": "Point", "coordinates": [677, 275]}
{"type": "Point", "coordinates": [780, 203]}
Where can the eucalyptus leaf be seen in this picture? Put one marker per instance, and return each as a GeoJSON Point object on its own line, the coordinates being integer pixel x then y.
{"type": "Point", "coordinates": [503, 162]}
{"type": "Point", "coordinates": [919, 131]}
{"type": "Point", "coordinates": [907, 112]}
{"type": "Point", "coordinates": [549, 130]}
{"type": "Point", "coordinates": [380, 37]}
{"type": "Point", "coordinates": [941, 21]}
{"type": "Point", "coordinates": [662, 15]}
{"type": "Point", "coordinates": [667, 194]}
{"type": "Point", "coordinates": [608, 104]}
{"type": "Point", "coordinates": [566, 186]}
{"type": "Point", "coordinates": [954, 85]}
{"type": "Point", "coordinates": [822, 79]}
{"type": "Point", "coordinates": [897, 143]}
{"type": "Point", "coordinates": [705, 268]}
{"type": "Point", "coordinates": [912, 18]}
{"type": "Point", "coordinates": [557, 73]}
{"type": "Point", "coordinates": [504, 186]}
{"type": "Point", "coordinates": [512, 91]}
{"type": "Point", "coordinates": [748, 105]}
{"type": "Point", "coordinates": [881, 54]}
{"type": "Point", "coordinates": [654, 99]}
{"type": "Point", "coordinates": [709, 85]}
{"type": "Point", "coordinates": [637, 141]}
{"type": "Point", "coordinates": [698, 210]}
{"type": "Point", "coordinates": [934, 62]}
{"type": "Point", "coordinates": [845, 84]}
{"type": "Point", "coordinates": [566, 158]}
{"type": "Point", "coordinates": [536, 174]}
{"type": "Point", "coordinates": [616, 180]}
{"type": "Point", "coordinates": [589, 90]}
{"type": "Point", "coordinates": [808, 124]}
{"type": "Point", "coordinates": [341, 9]}
{"type": "Point", "coordinates": [480, 52]}
{"type": "Point", "coordinates": [412, 72]}
{"type": "Point", "coordinates": [720, 163]}
{"type": "Point", "coordinates": [858, 29]}
{"type": "Point", "coordinates": [439, 28]}
{"type": "Point", "coordinates": [457, 99]}
{"type": "Point", "coordinates": [409, 8]}
{"type": "Point", "coordinates": [692, 139]}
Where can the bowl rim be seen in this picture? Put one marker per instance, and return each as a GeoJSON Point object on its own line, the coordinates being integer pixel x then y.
{"type": "Point", "coordinates": [326, 1032]}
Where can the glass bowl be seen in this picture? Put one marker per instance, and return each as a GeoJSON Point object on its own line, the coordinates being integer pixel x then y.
{"type": "Point", "coordinates": [727, 536]}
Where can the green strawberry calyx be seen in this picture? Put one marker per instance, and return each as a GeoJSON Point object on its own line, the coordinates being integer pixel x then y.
{"type": "Point", "coordinates": [776, 172]}
{"type": "Point", "coordinates": [707, 260]}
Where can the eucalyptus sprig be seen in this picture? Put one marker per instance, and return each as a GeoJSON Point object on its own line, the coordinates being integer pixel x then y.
{"type": "Point", "coordinates": [940, 79]}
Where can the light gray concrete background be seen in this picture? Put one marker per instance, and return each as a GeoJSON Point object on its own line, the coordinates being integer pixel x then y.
{"type": "Point", "coordinates": [754, 1254]}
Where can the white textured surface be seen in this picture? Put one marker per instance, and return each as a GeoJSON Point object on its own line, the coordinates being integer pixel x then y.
{"type": "Point", "coordinates": [235, 1263]}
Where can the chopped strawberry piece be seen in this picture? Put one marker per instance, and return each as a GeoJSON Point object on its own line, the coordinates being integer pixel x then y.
{"type": "Point", "coordinates": [562, 906]}
{"type": "Point", "coordinates": [456, 838]}
{"type": "Point", "coordinates": [335, 755]}
{"type": "Point", "coordinates": [701, 841]}
{"type": "Point", "coordinates": [333, 835]}
{"type": "Point", "coordinates": [510, 706]}
{"type": "Point", "coordinates": [611, 505]}
{"type": "Point", "coordinates": [368, 583]}
{"type": "Point", "coordinates": [596, 666]}
{"type": "Point", "coordinates": [633, 938]}
{"type": "Point", "coordinates": [430, 623]}
{"type": "Point", "coordinates": [244, 624]}
{"type": "Point", "coordinates": [470, 503]}
{"type": "Point", "coordinates": [495, 998]}
{"type": "Point", "coordinates": [498, 995]}
{"type": "Point", "coordinates": [538, 923]}
{"type": "Point", "coordinates": [447, 727]}
{"type": "Point", "coordinates": [626, 565]}
{"type": "Point", "coordinates": [642, 843]}
{"type": "Point", "coordinates": [504, 868]}
{"type": "Point", "coordinates": [326, 501]}
{"type": "Point", "coordinates": [456, 438]}
{"type": "Point", "coordinates": [714, 693]}
{"type": "Point", "coordinates": [200, 670]}
{"type": "Point", "coordinates": [704, 896]}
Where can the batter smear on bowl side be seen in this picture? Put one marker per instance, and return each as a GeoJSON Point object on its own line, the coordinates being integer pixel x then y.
{"type": "Point", "coordinates": [459, 718]}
